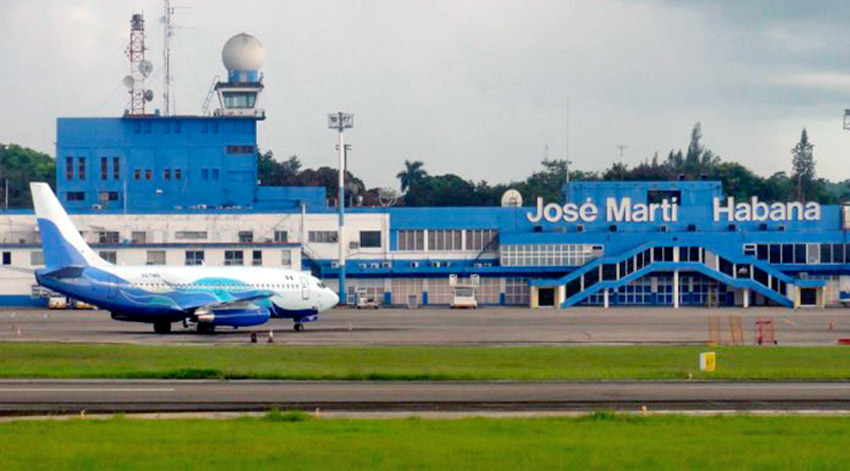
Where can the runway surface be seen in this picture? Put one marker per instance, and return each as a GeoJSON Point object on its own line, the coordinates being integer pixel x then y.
{"type": "Point", "coordinates": [72, 396]}
{"type": "Point", "coordinates": [440, 326]}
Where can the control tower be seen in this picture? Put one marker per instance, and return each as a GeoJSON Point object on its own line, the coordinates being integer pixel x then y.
{"type": "Point", "coordinates": [243, 57]}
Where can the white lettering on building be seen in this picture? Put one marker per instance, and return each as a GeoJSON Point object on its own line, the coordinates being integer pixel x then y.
{"type": "Point", "coordinates": [757, 211]}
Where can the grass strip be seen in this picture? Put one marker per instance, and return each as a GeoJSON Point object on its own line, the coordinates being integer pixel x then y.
{"type": "Point", "coordinates": [42, 360]}
{"type": "Point", "coordinates": [297, 442]}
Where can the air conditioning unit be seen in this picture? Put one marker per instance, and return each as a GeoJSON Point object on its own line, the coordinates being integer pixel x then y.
{"type": "Point", "coordinates": [692, 227]}
{"type": "Point", "coordinates": [334, 264]}
{"type": "Point", "coordinates": [362, 266]}
{"type": "Point", "coordinates": [414, 264]}
{"type": "Point", "coordinates": [387, 265]}
{"type": "Point", "coordinates": [580, 228]}
{"type": "Point", "coordinates": [376, 265]}
{"type": "Point", "coordinates": [354, 245]}
{"type": "Point", "coordinates": [97, 207]}
{"type": "Point", "coordinates": [436, 264]}
{"type": "Point", "coordinates": [662, 228]}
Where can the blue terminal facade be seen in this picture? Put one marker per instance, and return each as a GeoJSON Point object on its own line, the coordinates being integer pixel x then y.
{"type": "Point", "coordinates": [606, 243]}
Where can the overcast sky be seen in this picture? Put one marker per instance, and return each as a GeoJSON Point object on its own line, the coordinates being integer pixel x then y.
{"type": "Point", "coordinates": [476, 88]}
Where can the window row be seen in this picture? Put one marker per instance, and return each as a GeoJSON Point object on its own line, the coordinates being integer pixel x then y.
{"type": "Point", "coordinates": [104, 168]}
{"type": "Point", "coordinates": [167, 174]}
{"type": "Point", "coordinates": [36, 258]}
{"type": "Point", "coordinates": [448, 240]}
{"type": "Point", "coordinates": [811, 254]}
{"type": "Point", "coordinates": [545, 255]}
{"type": "Point", "coordinates": [140, 237]}
{"type": "Point", "coordinates": [191, 257]}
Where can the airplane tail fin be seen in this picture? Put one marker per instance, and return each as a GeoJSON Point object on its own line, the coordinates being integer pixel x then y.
{"type": "Point", "coordinates": [63, 245]}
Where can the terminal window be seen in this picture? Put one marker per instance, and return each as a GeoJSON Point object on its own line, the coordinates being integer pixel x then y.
{"type": "Point", "coordinates": [194, 257]}
{"type": "Point", "coordinates": [280, 237]}
{"type": "Point", "coordinates": [190, 235]}
{"type": "Point", "coordinates": [156, 257]}
{"type": "Point", "coordinates": [445, 240]}
{"type": "Point", "coordinates": [205, 174]}
{"type": "Point", "coordinates": [658, 196]}
{"type": "Point", "coordinates": [257, 258]}
{"type": "Point", "coordinates": [178, 174]}
{"type": "Point", "coordinates": [246, 237]}
{"type": "Point", "coordinates": [234, 257]}
{"type": "Point", "coordinates": [81, 168]}
{"type": "Point", "coordinates": [104, 168]}
{"type": "Point", "coordinates": [548, 255]}
{"type": "Point", "coordinates": [411, 240]}
{"type": "Point", "coordinates": [137, 174]}
{"type": "Point", "coordinates": [285, 258]}
{"type": "Point", "coordinates": [69, 168]}
{"type": "Point", "coordinates": [148, 174]}
{"type": "Point", "coordinates": [110, 256]}
{"type": "Point", "coordinates": [323, 237]}
{"type": "Point", "coordinates": [480, 239]}
{"type": "Point", "coordinates": [370, 239]}
{"type": "Point", "coordinates": [108, 237]}
{"type": "Point", "coordinates": [7, 258]}
{"type": "Point", "coordinates": [116, 168]}
{"type": "Point", "coordinates": [37, 258]}
{"type": "Point", "coordinates": [75, 196]}
{"type": "Point", "coordinates": [138, 237]}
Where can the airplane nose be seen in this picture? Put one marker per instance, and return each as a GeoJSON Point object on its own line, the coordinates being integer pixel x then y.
{"type": "Point", "coordinates": [333, 298]}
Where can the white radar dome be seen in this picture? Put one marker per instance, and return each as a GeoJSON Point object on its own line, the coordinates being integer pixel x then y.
{"type": "Point", "coordinates": [243, 52]}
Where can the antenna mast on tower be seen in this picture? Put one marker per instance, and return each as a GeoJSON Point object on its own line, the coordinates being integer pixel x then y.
{"type": "Point", "coordinates": [168, 31]}
{"type": "Point", "coordinates": [139, 67]}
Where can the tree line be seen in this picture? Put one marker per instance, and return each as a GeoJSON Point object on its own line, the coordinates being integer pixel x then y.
{"type": "Point", "coordinates": [20, 165]}
{"type": "Point", "coordinates": [697, 162]}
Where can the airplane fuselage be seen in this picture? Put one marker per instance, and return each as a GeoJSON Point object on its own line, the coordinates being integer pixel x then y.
{"type": "Point", "coordinates": [173, 293]}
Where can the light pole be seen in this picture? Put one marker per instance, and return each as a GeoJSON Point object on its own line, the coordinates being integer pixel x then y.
{"type": "Point", "coordinates": [341, 121]}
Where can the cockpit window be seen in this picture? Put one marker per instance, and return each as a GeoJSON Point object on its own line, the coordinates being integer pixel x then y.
{"type": "Point", "coordinates": [320, 284]}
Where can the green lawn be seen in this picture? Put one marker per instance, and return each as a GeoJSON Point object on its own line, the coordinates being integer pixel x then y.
{"type": "Point", "coordinates": [43, 360]}
{"type": "Point", "coordinates": [598, 442]}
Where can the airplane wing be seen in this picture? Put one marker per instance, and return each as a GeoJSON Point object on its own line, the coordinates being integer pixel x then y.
{"type": "Point", "coordinates": [237, 302]}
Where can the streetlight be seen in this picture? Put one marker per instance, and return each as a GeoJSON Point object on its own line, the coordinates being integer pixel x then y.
{"type": "Point", "coordinates": [341, 121]}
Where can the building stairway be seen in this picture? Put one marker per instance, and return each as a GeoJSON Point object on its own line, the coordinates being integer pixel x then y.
{"type": "Point", "coordinates": [740, 272]}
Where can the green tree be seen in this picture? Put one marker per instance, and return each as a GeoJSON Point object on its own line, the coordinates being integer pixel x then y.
{"type": "Point", "coordinates": [803, 166]}
{"type": "Point", "coordinates": [18, 167]}
{"type": "Point", "coordinates": [441, 190]}
{"type": "Point", "coordinates": [274, 173]}
{"type": "Point", "coordinates": [412, 174]}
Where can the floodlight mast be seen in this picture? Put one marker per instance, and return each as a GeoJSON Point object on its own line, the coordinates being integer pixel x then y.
{"type": "Point", "coordinates": [341, 121]}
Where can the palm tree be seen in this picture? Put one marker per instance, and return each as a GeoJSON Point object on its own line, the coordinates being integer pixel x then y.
{"type": "Point", "coordinates": [412, 174]}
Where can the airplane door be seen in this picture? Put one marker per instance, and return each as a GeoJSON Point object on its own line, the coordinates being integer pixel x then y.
{"type": "Point", "coordinates": [305, 288]}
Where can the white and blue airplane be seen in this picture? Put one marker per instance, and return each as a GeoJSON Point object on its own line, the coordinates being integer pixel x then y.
{"type": "Point", "coordinates": [161, 295]}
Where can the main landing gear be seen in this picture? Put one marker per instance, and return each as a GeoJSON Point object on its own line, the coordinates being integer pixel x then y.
{"type": "Point", "coordinates": [162, 327]}
{"type": "Point", "coordinates": [299, 327]}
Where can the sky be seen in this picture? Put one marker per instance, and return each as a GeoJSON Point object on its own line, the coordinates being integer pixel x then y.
{"type": "Point", "coordinates": [475, 88]}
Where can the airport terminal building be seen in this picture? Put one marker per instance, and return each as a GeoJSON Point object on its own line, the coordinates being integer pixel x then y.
{"type": "Point", "coordinates": [145, 188]}
{"type": "Point", "coordinates": [183, 190]}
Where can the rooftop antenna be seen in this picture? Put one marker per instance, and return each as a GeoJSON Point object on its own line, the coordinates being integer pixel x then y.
{"type": "Point", "coordinates": [168, 31]}
{"type": "Point", "coordinates": [622, 147]}
{"type": "Point", "coordinates": [567, 159]}
{"type": "Point", "coordinates": [140, 68]}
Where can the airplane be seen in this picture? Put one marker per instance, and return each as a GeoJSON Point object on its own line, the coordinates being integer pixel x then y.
{"type": "Point", "coordinates": [161, 295]}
